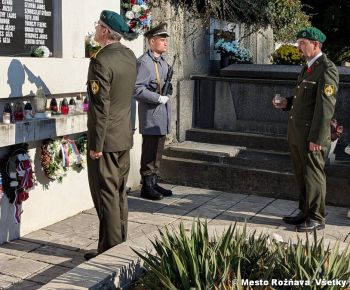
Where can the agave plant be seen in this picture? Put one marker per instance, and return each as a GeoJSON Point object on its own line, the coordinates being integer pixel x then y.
{"type": "Point", "coordinates": [312, 263]}
{"type": "Point", "coordinates": [191, 261]}
{"type": "Point", "coordinates": [194, 261]}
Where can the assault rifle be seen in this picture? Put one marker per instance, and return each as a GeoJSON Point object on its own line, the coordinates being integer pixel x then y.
{"type": "Point", "coordinates": [168, 88]}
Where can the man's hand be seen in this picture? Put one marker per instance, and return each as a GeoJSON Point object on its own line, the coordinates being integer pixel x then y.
{"type": "Point", "coordinates": [280, 104]}
{"type": "Point", "coordinates": [163, 99]}
{"type": "Point", "coordinates": [313, 147]}
{"type": "Point", "coordinates": [95, 154]}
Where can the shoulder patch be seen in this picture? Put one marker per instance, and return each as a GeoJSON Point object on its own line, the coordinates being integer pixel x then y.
{"type": "Point", "coordinates": [328, 90]}
{"type": "Point", "coordinates": [95, 86]}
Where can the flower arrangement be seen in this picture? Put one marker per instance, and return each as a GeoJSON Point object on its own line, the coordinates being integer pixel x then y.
{"type": "Point", "coordinates": [138, 15]}
{"type": "Point", "coordinates": [232, 49]}
{"type": "Point", "coordinates": [287, 54]}
{"type": "Point", "coordinates": [40, 51]}
{"type": "Point", "coordinates": [336, 130]}
{"type": "Point", "coordinates": [60, 155]}
{"type": "Point", "coordinates": [91, 46]}
{"type": "Point", "coordinates": [19, 178]}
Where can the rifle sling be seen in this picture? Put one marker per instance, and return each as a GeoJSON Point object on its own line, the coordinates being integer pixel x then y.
{"type": "Point", "coordinates": [158, 77]}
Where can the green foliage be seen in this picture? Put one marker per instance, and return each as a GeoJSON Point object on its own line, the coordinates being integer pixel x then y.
{"type": "Point", "coordinates": [191, 260]}
{"type": "Point", "coordinates": [286, 18]}
{"type": "Point", "coordinates": [287, 54]}
{"type": "Point", "coordinates": [310, 261]}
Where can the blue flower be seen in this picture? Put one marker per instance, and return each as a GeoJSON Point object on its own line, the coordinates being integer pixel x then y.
{"type": "Point", "coordinates": [236, 53]}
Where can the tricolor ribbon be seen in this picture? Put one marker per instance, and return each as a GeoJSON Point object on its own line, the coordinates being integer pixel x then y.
{"type": "Point", "coordinates": [76, 151]}
{"type": "Point", "coordinates": [65, 155]}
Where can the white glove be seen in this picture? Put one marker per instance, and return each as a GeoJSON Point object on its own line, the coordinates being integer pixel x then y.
{"type": "Point", "coordinates": [163, 99]}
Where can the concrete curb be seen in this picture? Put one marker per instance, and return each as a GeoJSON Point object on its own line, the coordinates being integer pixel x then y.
{"type": "Point", "coordinates": [118, 267]}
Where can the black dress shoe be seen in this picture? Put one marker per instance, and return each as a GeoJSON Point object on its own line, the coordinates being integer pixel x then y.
{"type": "Point", "coordinates": [295, 220]}
{"type": "Point", "coordinates": [90, 255]}
{"type": "Point", "coordinates": [310, 225]}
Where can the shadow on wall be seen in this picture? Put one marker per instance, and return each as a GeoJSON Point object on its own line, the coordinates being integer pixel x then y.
{"type": "Point", "coordinates": [16, 74]}
{"type": "Point", "coordinates": [15, 78]}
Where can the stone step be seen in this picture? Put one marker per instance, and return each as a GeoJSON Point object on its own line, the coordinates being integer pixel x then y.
{"type": "Point", "coordinates": [249, 140]}
{"type": "Point", "coordinates": [245, 179]}
{"type": "Point", "coordinates": [266, 128]}
{"type": "Point", "coordinates": [237, 155]}
{"type": "Point", "coordinates": [231, 155]}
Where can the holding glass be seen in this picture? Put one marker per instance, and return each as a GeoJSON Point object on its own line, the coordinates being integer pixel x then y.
{"type": "Point", "coordinates": [279, 102]}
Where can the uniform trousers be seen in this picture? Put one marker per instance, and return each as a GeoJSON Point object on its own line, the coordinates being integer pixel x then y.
{"type": "Point", "coordinates": [152, 151]}
{"type": "Point", "coordinates": [107, 180]}
{"type": "Point", "coordinates": [311, 179]}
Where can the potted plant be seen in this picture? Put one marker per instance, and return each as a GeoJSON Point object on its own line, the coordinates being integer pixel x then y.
{"type": "Point", "coordinates": [287, 54]}
{"type": "Point", "coordinates": [231, 52]}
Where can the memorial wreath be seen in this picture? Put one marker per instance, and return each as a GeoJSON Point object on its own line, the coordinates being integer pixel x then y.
{"type": "Point", "coordinates": [137, 14]}
{"type": "Point", "coordinates": [19, 178]}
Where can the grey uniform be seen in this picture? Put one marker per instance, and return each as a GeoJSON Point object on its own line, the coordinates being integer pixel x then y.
{"type": "Point", "coordinates": [154, 118]}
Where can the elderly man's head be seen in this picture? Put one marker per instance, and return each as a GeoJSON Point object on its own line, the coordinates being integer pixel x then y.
{"type": "Point", "coordinates": [310, 42]}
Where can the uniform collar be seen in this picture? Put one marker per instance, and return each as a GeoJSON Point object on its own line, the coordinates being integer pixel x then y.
{"type": "Point", "coordinates": [154, 58]}
{"type": "Point", "coordinates": [112, 45]}
{"type": "Point", "coordinates": [311, 62]}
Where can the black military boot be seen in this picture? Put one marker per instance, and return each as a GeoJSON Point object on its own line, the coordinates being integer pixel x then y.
{"type": "Point", "coordinates": [147, 190]}
{"type": "Point", "coordinates": [163, 191]}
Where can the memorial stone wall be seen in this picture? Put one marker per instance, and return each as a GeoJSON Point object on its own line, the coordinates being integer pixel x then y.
{"type": "Point", "coordinates": [25, 24]}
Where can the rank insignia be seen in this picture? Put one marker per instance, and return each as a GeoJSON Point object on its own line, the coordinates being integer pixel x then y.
{"type": "Point", "coordinates": [95, 86]}
{"type": "Point", "coordinates": [328, 90]}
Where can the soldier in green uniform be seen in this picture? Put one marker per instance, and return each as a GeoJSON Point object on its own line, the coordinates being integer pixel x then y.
{"type": "Point", "coordinates": [310, 113]}
{"type": "Point", "coordinates": [111, 81]}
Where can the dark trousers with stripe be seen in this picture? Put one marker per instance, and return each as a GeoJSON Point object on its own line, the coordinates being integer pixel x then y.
{"type": "Point", "coordinates": [152, 151]}
{"type": "Point", "coordinates": [107, 179]}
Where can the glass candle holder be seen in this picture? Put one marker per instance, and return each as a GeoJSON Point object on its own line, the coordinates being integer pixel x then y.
{"type": "Point", "coordinates": [39, 103]}
{"type": "Point", "coordinates": [28, 111]}
{"type": "Point", "coordinates": [64, 107]}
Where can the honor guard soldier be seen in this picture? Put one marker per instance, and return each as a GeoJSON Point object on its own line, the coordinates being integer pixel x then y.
{"type": "Point", "coordinates": [310, 113]}
{"type": "Point", "coordinates": [110, 84]}
{"type": "Point", "coordinates": [154, 110]}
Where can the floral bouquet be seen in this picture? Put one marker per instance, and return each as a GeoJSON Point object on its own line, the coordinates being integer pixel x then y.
{"type": "Point", "coordinates": [91, 46]}
{"type": "Point", "coordinates": [40, 51]}
{"type": "Point", "coordinates": [138, 15]}
{"type": "Point", "coordinates": [232, 49]}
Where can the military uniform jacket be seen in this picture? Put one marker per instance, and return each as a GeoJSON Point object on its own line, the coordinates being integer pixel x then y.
{"type": "Point", "coordinates": [154, 118]}
{"type": "Point", "coordinates": [312, 107]}
{"type": "Point", "coordinates": [111, 81]}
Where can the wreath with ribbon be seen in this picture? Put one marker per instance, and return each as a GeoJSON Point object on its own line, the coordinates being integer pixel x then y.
{"type": "Point", "coordinates": [62, 154]}
{"type": "Point", "coordinates": [137, 14]}
{"type": "Point", "coordinates": [18, 178]}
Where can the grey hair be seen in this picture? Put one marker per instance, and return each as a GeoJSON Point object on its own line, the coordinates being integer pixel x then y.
{"type": "Point", "coordinates": [112, 35]}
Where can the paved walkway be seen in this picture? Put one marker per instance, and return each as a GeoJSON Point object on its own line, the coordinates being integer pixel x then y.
{"type": "Point", "coordinates": [35, 259]}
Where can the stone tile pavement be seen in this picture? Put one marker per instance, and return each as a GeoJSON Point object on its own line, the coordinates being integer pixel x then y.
{"type": "Point", "coordinates": [35, 259]}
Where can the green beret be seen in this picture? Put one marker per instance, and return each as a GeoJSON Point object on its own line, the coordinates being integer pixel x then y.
{"type": "Point", "coordinates": [116, 22]}
{"type": "Point", "coordinates": [312, 33]}
{"type": "Point", "coordinates": [160, 29]}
